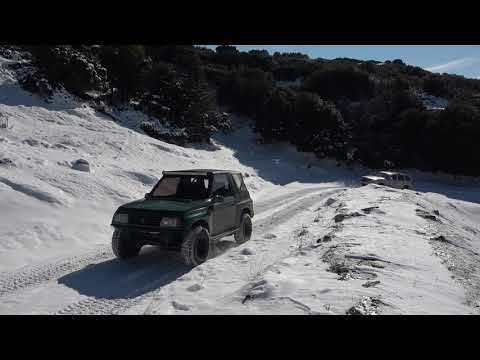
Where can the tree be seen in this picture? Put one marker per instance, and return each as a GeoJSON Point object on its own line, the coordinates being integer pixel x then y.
{"type": "Point", "coordinates": [227, 55]}
{"type": "Point", "coordinates": [319, 126]}
{"type": "Point", "coordinates": [124, 64]}
{"type": "Point", "coordinates": [245, 91]}
{"type": "Point", "coordinates": [340, 81]}
{"type": "Point", "coordinates": [276, 115]}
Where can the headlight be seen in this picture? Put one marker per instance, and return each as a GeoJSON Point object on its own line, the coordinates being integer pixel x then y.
{"type": "Point", "coordinates": [121, 218]}
{"type": "Point", "coordinates": [170, 221]}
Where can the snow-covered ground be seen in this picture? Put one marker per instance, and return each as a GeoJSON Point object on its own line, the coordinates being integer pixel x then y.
{"type": "Point", "coordinates": [55, 254]}
{"type": "Point", "coordinates": [432, 102]}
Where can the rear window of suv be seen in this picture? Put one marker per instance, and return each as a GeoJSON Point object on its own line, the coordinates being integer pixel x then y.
{"type": "Point", "coordinates": [239, 181]}
{"type": "Point", "coordinates": [221, 185]}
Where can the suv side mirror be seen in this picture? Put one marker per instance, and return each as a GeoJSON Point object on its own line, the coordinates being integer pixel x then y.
{"type": "Point", "coordinates": [217, 198]}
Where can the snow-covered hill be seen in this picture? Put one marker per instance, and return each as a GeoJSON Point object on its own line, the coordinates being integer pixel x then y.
{"type": "Point", "coordinates": [55, 254]}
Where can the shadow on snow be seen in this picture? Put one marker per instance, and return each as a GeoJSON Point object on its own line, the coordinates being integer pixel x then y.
{"type": "Point", "coordinates": [115, 279]}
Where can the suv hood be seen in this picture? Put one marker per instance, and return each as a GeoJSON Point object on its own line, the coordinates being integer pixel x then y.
{"type": "Point", "coordinates": [165, 205]}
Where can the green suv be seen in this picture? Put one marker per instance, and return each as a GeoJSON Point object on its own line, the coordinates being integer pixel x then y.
{"type": "Point", "coordinates": [185, 211]}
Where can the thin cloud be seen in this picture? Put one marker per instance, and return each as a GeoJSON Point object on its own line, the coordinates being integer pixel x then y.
{"type": "Point", "coordinates": [455, 64]}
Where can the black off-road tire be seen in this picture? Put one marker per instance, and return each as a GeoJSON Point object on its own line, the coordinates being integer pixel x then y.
{"type": "Point", "coordinates": [406, 187]}
{"type": "Point", "coordinates": [123, 246]}
{"type": "Point", "coordinates": [244, 233]}
{"type": "Point", "coordinates": [196, 247]}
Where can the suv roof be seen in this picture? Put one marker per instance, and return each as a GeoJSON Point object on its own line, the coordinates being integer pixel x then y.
{"type": "Point", "coordinates": [200, 172]}
{"type": "Point", "coordinates": [392, 173]}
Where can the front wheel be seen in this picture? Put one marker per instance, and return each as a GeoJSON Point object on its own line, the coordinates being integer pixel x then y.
{"type": "Point", "coordinates": [123, 246]}
{"type": "Point", "coordinates": [196, 247]}
{"type": "Point", "coordinates": [245, 232]}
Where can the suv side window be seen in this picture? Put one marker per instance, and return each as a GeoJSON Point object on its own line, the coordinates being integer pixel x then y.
{"type": "Point", "coordinates": [221, 185]}
{"type": "Point", "coordinates": [239, 182]}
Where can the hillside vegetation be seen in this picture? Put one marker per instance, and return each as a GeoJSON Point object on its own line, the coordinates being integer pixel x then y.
{"type": "Point", "coordinates": [376, 114]}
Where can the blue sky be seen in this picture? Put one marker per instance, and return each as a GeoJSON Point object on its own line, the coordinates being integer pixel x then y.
{"type": "Point", "coordinates": [453, 59]}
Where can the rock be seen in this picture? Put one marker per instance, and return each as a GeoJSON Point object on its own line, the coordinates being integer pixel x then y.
{"type": "Point", "coordinates": [31, 142]}
{"type": "Point", "coordinates": [326, 238]}
{"type": "Point", "coordinates": [436, 212]}
{"type": "Point", "coordinates": [61, 146]}
{"type": "Point", "coordinates": [7, 162]}
{"type": "Point", "coordinates": [330, 201]}
{"type": "Point", "coordinates": [340, 217]}
{"type": "Point", "coordinates": [377, 265]}
{"type": "Point", "coordinates": [426, 215]}
{"type": "Point", "coordinates": [247, 251]}
{"type": "Point", "coordinates": [439, 238]}
{"type": "Point", "coordinates": [246, 175]}
{"type": "Point", "coordinates": [354, 310]}
{"type": "Point", "coordinates": [81, 165]}
{"type": "Point", "coordinates": [371, 283]}
{"type": "Point", "coordinates": [269, 236]}
{"type": "Point", "coordinates": [369, 209]}
{"type": "Point", "coordinates": [195, 287]}
{"type": "Point", "coordinates": [367, 306]}
{"type": "Point", "coordinates": [179, 306]}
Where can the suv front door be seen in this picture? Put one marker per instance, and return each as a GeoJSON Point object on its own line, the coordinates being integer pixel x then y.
{"type": "Point", "coordinates": [224, 211]}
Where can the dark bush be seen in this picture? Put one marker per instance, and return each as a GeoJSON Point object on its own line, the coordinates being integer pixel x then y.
{"type": "Point", "coordinates": [336, 82]}
{"type": "Point", "coordinates": [74, 69]}
{"type": "Point", "coordinates": [276, 115]}
{"type": "Point", "coordinates": [124, 64]}
{"type": "Point", "coordinates": [245, 91]}
{"type": "Point", "coordinates": [434, 85]}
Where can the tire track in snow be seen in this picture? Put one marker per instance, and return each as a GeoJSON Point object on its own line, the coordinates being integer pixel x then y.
{"type": "Point", "coordinates": [265, 224]}
{"type": "Point", "coordinates": [279, 200]}
{"type": "Point", "coordinates": [114, 306]}
{"type": "Point", "coordinates": [31, 276]}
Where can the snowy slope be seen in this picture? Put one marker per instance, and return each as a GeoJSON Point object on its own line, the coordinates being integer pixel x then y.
{"type": "Point", "coordinates": [355, 251]}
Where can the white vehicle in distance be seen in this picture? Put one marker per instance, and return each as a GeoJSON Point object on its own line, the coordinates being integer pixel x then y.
{"type": "Point", "coordinates": [389, 178]}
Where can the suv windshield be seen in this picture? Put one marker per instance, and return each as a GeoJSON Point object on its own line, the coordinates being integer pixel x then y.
{"type": "Point", "coordinates": [192, 187]}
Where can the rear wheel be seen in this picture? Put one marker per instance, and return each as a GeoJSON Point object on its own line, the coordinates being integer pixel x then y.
{"type": "Point", "coordinates": [406, 187]}
{"type": "Point", "coordinates": [245, 232]}
{"type": "Point", "coordinates": [196, 247]}
{"type": "Point", "coordinates": [123, 246]}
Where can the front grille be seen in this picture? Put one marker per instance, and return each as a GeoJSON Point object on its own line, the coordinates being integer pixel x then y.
{"type": "Point", "coordinates": [145, 218]}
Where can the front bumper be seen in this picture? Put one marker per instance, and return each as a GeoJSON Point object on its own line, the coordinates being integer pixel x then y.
{"type": "Point", "coordinates": [168, 238]}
